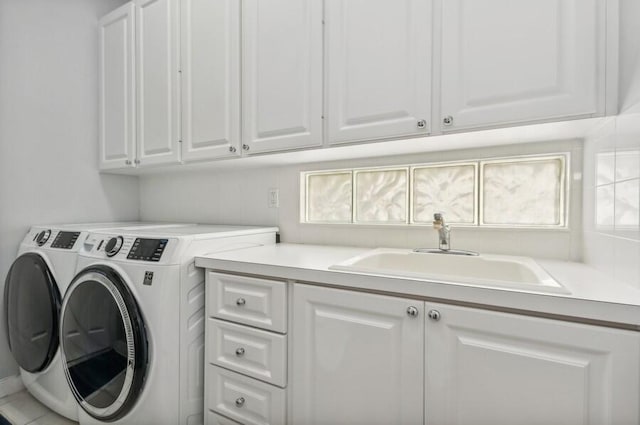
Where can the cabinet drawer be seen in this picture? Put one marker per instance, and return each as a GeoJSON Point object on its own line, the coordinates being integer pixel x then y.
{"type": "Point", "coordinates": [214, 419]}
{"type": "Point", "coordinates": [243, 399]}
{"type": "Point", "coordinates": [259, 354]}
{"type": "Point", "coordinates": [255, 302]}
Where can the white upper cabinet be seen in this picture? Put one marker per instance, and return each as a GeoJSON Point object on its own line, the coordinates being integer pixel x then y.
{"type": "Point", "coordinates": [210, 50]}
{"type": "Point", "coordinates": [378, 68]}
{"type": "Point", "coordinates": [158, 83]}
{"type": "Point", "coordinates": [357, 358]}
{"type": "Point", "coordinates": [281, 74]}
{"type": "Point", "coordinates": [485, 367]}
{"type": "Point", "coordinates": [117, 89]}
{"type": "Point", "coordinates": [513, 61]}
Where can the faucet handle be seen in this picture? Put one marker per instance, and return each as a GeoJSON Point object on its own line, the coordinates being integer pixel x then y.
{"type": "Point", "coordinates": [438, 221]}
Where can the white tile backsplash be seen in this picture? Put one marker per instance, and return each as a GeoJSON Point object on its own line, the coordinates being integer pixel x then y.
{"type": "Point", "coordinates": [611, 201]}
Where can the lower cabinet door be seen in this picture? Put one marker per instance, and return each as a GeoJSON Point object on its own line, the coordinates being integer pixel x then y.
{"type": "Point", "coordinates": [357, 358]}
{"type": "Point", "coordinates": [491, 368]}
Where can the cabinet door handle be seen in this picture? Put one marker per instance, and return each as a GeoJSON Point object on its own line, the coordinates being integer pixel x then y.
{"type": "Point", "coordinates": [232, 149]}
{"type": "Point", "coordinates": [448, 120]}
{"type": "Point", "coordinates": [245, 147]}
{"type": "Point", "coordinates": [422, 124]}
{"type": "Point", "coordinates": [412, 311]}
{"type": "Point", "coordinates": [239, 401]}
{"type": "Point", "coordinates": [127, 162]}
{"type": "Point", "coordinates": [240, 352]}
{"type": "Point", "coordinates": [240, 302]}
{"type": "Point", "coordinates": [434, 315]}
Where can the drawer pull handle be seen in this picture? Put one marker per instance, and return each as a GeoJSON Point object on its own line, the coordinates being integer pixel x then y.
{"type": "Point", "coordinates": [240, 402]}
{"type": "Point", "coordinates": [239, 352]}
{"type": "Point", "coordinates": [240, 302]}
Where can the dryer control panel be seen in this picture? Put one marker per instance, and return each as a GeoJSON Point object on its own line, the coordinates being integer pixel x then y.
{"type": "Point", "coordinates": [65, 240]}
{"type": "Point", "coordinates": [147, 249]}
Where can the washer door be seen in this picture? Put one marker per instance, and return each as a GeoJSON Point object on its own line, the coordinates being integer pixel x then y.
{"type": "Point", "coordinates": [104, 345]}
{"type": "Point", "coordinates": [32, 306]}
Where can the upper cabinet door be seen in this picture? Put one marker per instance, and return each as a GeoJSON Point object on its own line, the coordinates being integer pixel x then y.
{"type": "Point", "coordinates": [510, 61]}
{"type": "Point", "coordinates": [117, 89]}
{"type": "Point", "coordinates": [210, 79]}
{"type": "Point", "coordinates": [281, 74]}
{"type": "Point", "coordinates": [378, 68]}
{"type": "Point", "coordinates": [158, 81]}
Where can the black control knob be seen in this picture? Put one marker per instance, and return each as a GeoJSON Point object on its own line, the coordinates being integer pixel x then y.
{"type": "Point", "coordinates": [43, 237]}
{"type": "Point", "coordinates": [113, 246]}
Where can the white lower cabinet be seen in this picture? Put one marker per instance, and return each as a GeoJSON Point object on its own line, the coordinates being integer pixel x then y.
{"type": "Point", "coordinates": [357, 358]}
{"type": "Point", "coordinates": [361, 358]}
{"type": "Point", "coordinates": [491, 368]}
{"type": "Point", "coordinates": [245, 350]}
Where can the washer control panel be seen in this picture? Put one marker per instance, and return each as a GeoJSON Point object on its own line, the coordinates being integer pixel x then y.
{"type": "Point", "coordinates": [147, 249]}
{"type": "Point", "coordinates": [65, 240]}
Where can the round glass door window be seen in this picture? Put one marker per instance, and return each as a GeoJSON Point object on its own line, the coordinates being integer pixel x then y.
{"type": "Point", "coordinates": [32, 307]}
{"type": "Point", "coordinates": [104, 345]}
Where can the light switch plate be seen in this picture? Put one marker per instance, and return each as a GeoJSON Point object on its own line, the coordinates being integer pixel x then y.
{"type": "Point", "coordinates": [274, 198]}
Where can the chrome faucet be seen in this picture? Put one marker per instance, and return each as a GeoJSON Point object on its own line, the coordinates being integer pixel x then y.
{"type": "Point", "coordinates": [444, 239]}
{"type": "Point", "coordinates": [444, 232]}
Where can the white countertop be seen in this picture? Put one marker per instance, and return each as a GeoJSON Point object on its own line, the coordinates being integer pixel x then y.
{"type": "Point", "coordinates": [594, 295]}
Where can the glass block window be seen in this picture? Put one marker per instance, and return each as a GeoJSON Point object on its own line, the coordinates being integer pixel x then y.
{"type": "Point", "coordinates": [329, 197]}
{"type": "Point", "coordinates": [381, 196]}
{"type": "Point", "coordinates": [511, 192]}
{"type": "Point", "coordinates": [526, 192]}
{"type": "Point", "coordinates": [449, 189]}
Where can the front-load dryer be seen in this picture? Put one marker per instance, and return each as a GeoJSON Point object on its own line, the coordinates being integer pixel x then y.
{"type": "Point", "coordinates": [132, 323]}
{"type": "Point", "coordinates": [34, 288]}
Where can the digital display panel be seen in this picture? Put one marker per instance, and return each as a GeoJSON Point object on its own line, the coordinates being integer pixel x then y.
{"type": "Point", "coordinates": [65, 240]}
{"type": "Point", "coordinates": [147, 249]}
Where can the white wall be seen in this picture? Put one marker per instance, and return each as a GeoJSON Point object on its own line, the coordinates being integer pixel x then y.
{"type": "Point", "coordinates": [612, 169]}
{"type": "Point", "coordinates": [48, 127]}
{"type": "Point", "coordinates": [241, 197]}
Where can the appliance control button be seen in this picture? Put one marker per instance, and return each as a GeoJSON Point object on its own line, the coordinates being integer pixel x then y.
{"type": "Point", "coordinates": [113, 246]}
{"type": "Point", "coordinates": [43, 237]}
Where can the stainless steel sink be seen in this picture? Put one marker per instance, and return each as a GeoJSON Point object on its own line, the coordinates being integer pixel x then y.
{"type": "Point", "coordinates": [501, 271]}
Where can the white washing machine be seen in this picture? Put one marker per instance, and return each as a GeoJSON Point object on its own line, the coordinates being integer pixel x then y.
{"type": "Point", "coordinates": [132, 323]}
{"type": "Point", "coordinates": [34, 289]}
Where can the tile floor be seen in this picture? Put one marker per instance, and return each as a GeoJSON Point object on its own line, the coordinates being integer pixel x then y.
{"type": "Point", "coordinates": [22, 409]}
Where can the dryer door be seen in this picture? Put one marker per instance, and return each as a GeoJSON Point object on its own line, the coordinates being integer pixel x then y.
{"type": "Point", "coordinates": [32, 306]}
{"type": "Point", "coordinates": [104, 344]}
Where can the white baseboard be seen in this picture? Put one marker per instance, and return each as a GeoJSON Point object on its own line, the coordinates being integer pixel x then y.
{"type": "Point", "coordinates": [10, 385]}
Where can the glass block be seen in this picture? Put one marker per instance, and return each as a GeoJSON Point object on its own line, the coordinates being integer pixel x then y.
{"type": "Point", "coordinates": [329, 197]}
{"type": "Point", "coordinates": [525, 192]}
{"type": "Point", "coordinates": [381, 196]}
{"type": "Point", "coordinates": [446, 189]}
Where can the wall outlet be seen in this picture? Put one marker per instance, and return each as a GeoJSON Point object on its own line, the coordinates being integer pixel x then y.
{"type": "Point", "coordinates": [274, 198]}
